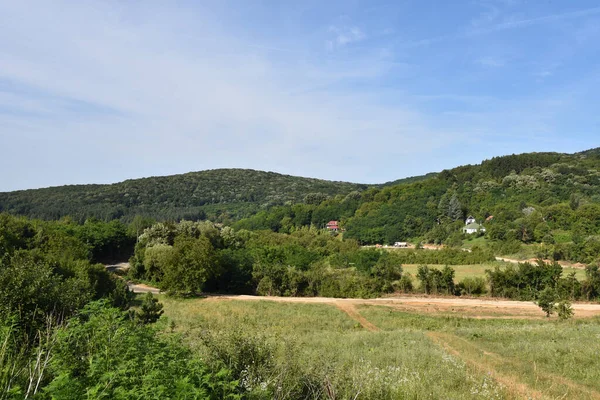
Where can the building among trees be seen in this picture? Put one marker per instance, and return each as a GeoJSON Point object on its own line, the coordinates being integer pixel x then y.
{"type": "Point", "coordinates": [333, 226]}
{"type": "Point", "coordinates": [471, 226]}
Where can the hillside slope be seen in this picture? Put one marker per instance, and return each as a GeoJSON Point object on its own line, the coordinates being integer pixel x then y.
{"type": "Point", "coordinates": [238, 192]}
{"type": "Point", "coordinates": [549, 199]}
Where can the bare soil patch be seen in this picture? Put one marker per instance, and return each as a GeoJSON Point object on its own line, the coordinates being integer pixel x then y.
{"type": "Point", "coordinates": [349, 309]}
{"type": "Point", "coordinates": [477, 308]}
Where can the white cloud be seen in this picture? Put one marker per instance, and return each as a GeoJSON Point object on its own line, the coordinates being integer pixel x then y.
{"type": "Point", "coordinates": [163, 102]}
{"type": "Point", "coordinates": [493, 62]}
{"type": "Point", "coordinates": [103, 91]}
{"type": "Point", "coordinates": [344, 35]}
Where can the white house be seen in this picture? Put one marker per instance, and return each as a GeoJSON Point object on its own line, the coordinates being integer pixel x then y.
{"type": "Point", "coordinates": [473, 227]}
{"type": "Point", "coordinates": [400, 244]}
{"type": "Point", "coordinates": [470, 220]}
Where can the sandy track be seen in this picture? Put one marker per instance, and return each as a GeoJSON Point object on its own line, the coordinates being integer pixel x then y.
{"type": "Point", "coordinates": [564, 264]}
{"type": "Point", "coordinates": [433, 304]}
{"type": "Point", "coordinates": [488, 362]}
{"type": "Point", "coordinates": [353, 313]}
{"type": "Point", "coordinates": [512, 383]}
{"type": "Point", "coordinates": [141, 288]}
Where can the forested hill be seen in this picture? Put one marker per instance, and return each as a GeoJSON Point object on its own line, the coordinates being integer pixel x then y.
{"type": "Point", "coordinates": [591, 152]}
{"type": "Point", "coordinates": [226, 193]}
{"type": "Point", "coordinates": [545, 198]}
{"type": "Point", "coordinates": [411, 179]}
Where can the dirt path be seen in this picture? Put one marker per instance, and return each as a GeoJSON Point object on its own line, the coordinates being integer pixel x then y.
{"type": "Point", "coordinates": [349, 309]}
{"type": "Point", "coordinates": [487, 308]}
{"type": "Point", "coordinates": [516, 388]}
{"type": "Point", "coordinates": [488, 362]}
{"type": "Point", "coordinates": [141, 288]}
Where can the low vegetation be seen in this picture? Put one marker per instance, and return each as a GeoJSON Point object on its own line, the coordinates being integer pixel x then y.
{"type": "Point", "coordinates": [316, 351]}
{"type": "Point", "coordinates": [193, 257]}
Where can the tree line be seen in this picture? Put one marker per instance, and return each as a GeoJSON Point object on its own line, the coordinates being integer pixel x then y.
{"type": "Point", "coordinates": [548, 199]}
{"type": "Point", "coordinates": [66, 330]}
{"type": "Point", "coordinates": [188, 257]}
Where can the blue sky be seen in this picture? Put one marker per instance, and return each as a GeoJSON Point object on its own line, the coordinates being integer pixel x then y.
{"type": "Point", "coordinates": [363, 91]}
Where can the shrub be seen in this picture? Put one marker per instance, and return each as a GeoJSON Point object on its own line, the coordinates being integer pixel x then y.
{"type": "Point", "coordinates": [547, 301]}
{"type": "Point", "coordinates": [472, 286]}
{"type": "Point", "coordinates": [564, 309]}
{"type": "Point", "coordinates": [150, 310]}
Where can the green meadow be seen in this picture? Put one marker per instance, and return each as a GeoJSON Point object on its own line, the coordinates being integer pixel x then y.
{"type": "Point", "coordinates": [319, 351]}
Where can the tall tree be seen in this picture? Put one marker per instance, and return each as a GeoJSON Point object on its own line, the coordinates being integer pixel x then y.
{"type": "Point", "coordinates": [455, 208]}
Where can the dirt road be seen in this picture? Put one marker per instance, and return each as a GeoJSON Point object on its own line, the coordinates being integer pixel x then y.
{"type": "Point", "coordinates": [459, 306]}
{"type": "Point", "coordinates": [141, 288]}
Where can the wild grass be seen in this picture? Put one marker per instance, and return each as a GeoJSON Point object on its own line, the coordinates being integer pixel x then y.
{"type": "Point", "coordinates": [317, 351]}
{"type": "Point", "coordinates": [565, 349]}
{"type": "Point", "coordinates": [481, 241]}
{"type": "Point", "coordinates": [553, 357]}
{"type": "Point", "coordinates": [478, 270]}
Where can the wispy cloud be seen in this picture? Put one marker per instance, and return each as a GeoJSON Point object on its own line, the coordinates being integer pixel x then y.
{"type": "Point", "coordinates": [122, 91]}
{"type": "Point", "coordinates": [485, 24]}
{"type": "Point", "coordinates": [184, 104]}
{"type": "Point", "coordinates": [344, 35]}
{"type": "Point", "coordinates": [493, 62]}
{"type": "Point", "coordinates": [516, 22]}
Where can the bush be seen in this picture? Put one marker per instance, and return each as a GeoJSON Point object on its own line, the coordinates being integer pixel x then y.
{"type": "Point", "coordinates": [103, 353]}
{"type": "Point", "coordinates": [564, 309]}
{"type": "Point", "coordinates": [472, 286]}
{"type": "Point", "coordinates": [547, 301]}
{"type": "Point", "coordinates": [150, 310]}
{"type": "Point", "coordinates": [405, 284]}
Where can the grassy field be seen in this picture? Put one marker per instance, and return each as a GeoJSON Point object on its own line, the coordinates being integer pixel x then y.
{"type": "Point", "coordinates": [324, 351]}
{"type": "Point", "coordinates": [463, 271]}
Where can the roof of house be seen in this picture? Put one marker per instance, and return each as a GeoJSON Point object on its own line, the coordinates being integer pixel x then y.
{"type": "Point", "coordinates": [332, 223]}
{"type": "Point", "coordinates": [474, 225]}
{"type": "Point", "coordinates": [491, 217]}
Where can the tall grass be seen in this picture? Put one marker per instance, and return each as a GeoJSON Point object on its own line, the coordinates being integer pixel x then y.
{"type": "Point", "coordinates": [315, 351]}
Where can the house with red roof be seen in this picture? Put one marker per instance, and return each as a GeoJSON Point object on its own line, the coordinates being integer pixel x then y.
{"type": "Point", "coordinates": [333, 226]}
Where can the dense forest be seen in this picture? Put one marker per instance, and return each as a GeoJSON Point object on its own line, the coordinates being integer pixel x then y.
{"type": "Point", "coordinates": [219, 193]}
{"type": "Point", "coordinates": [548, 199]}
{"type": "Point", "coordinates": [67, 330]}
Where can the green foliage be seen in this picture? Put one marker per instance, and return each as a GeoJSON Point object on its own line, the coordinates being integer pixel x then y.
{"type": "Point", "coordinates": [525, 280]}
{"type": "Point", "coordinates": [455, 208]}
{"type": "Point", "coordinates": [547, 198]}
{"type": "Point", "coordinates": [45, 273]}
{"type": "Point", "coordinates": [189, 257]}
{"type": "Point", "coordinates": [547, 301]}
{"type": "Point", "coordinates": [435, 281]}
{"type": "Point", "coordinates": [150, 310]}
{"type": "Point", "coordinates": [103, 354]}
{"type": "Point", "coordinates": [475, 286]}
{"type": "Point", "coordinates": [564, 310]}
{"type": "Point", "coordinates": [220, 193]}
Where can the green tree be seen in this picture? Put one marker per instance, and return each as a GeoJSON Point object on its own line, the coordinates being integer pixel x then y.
{"type": "Point", "coordinates": [455, 208]}
{"type": "Point", "coordinates": [150, 310]}
{"type": "Point", "coordinates": [547, 301]}
{"type": "Point", "coordinates": [195, 261]}
{"type": "Point", "coordinates": [564, 309]}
